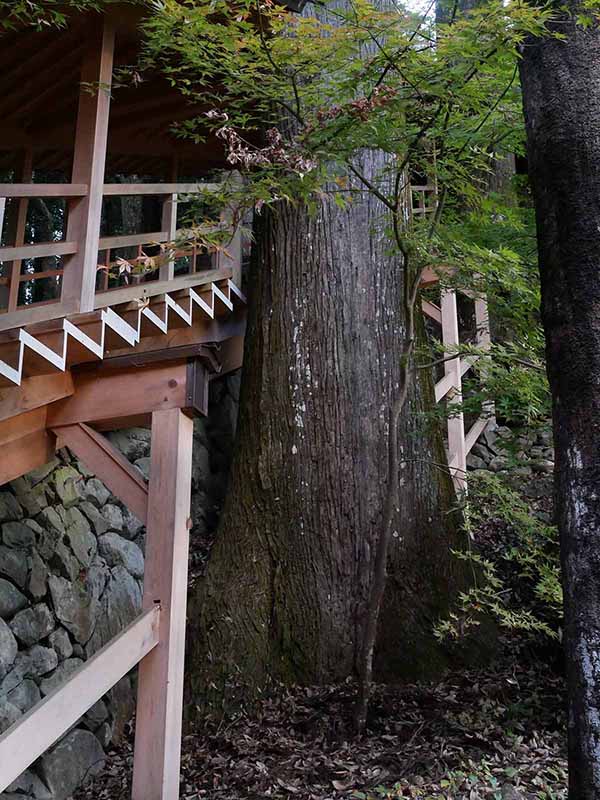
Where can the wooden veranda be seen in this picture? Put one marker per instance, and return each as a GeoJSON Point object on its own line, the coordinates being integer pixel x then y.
{"type": "Point", "coordinates": [98, 355]}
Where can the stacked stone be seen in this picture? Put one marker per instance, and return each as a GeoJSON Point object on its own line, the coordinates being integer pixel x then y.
{"type": "Point", "coordinates": [71, 569]}
{"type": "Point", "coordinates": [525, 454]}
{"type": "Point", "coordinates": [71, 564]}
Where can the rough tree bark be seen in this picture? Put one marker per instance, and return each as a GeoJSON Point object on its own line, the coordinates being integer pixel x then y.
{"type": "Point", "coordinates": [561, 90]}
{"type": "Point", "coordinates": [291, 571]}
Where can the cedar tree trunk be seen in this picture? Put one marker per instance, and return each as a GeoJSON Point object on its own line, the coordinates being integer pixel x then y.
{"type": "Point", "coordinates": [561, 88]}
{"type": "Point", "coordinates": [290, 573]}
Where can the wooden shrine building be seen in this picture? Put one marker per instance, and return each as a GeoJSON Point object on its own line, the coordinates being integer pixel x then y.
{"type": "Point", "coordinates": [83, 351]}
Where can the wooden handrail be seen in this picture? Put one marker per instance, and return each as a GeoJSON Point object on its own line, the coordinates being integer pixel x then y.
{"type": "Point", "coordinates": [121, 189]}
{"type": "Point", "coordinates": [130, 239]}
{"type": "Point", "coordinates": [43, 189]}
{"type": "Point", "coordinates": [143, 291]}
{"type": "Point", "coordinates": [42, 250]}
{"type": "Point", "coordinates": [31, 736]}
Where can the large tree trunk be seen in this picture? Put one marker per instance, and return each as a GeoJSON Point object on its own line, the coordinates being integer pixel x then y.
{"type": "Point", "coordinates": [291, 571]}
{"type": "Point", "coordinates": [561, 87]}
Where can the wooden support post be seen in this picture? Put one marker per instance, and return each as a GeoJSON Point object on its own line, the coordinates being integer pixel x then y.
{"type": "Point", "coordinates": [169, 225]}
{"type": "Point", "coordinates": [18, 233]}
{"type": "Point", "coordinates": [457, 457]}
{"type": "Point", "coordinates": [160, 689]}
{"type": "Point", "coordinates": [484, 341]}
{"type": "Point", "coordinates": [79, 279]}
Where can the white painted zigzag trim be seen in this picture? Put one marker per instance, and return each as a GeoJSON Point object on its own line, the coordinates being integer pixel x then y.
{"type": "Point", "coordinates": [131, 334]}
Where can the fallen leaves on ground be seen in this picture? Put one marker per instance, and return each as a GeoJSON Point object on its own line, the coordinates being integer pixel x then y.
{"type": "Point", "coordinates": [495, 733]}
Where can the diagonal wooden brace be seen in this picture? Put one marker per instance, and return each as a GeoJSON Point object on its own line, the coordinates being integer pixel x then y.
{"type": "Point", "coordinates": [111, 466]}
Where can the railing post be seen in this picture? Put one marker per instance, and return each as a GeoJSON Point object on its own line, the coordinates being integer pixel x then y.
{"type": "Point", "coordinates": [19, 221]}
{"type": "Point", "coordinates": [484, 341]}
{"type": "Point", "coordinates": [457, 457]}
{"type": "Point", "coordinates": [160, 682]}
{"type": "Point", "coordinates": [169, 224]}
{"type": "Point", "coordinates": [89, 159]}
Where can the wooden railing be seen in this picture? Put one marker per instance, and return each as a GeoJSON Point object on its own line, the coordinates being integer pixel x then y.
{"type": "Point", "coordinates": [69, 250]}
{"type": "Point", "coordinates": [48, 720]}
{"type": "Point", "coordinates": [449, 387]}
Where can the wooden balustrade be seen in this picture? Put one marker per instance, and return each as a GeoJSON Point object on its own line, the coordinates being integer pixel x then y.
{"type": "Point", "coordinates": [449, 387]}
{"type": "Point", "coordinates": [173, 193]}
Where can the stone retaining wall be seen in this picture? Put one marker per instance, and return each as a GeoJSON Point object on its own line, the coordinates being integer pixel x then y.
{"type": "Point", "coordinates": [71, 572]}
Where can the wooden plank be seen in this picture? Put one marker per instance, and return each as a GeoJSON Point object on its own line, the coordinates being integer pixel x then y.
{"type": "Point", "coordinates": [197, 388]}
{"type": "Point", "coordinates": [19, 237]}
{"type": "Point", "coordinates": [112, 242]}
{"type": "Point", "coordinates": [432, 311]}
{"type": "Point", "coordinates": [111, 189]}
{"type": "Point", "coordinates": [41, 250]}
{"type": "Point", "coordinates": [43, 189]}
{"type": "Point", "coordinates": [22, 425]}
{"type": "Point", "coordinates": [142, 291]}
{"type": "Point", "coordinates": [109, 394]}
{"type": "Point", "coordinates": [452, 369]}
{"type": "Point", "coordinates": [111, 466]}
{"type": "Point", "coordinates": [28, 315]}
{"type": "Point", "coordinates": [83, 226]}
{"type": "Point", "coordinates": [428, 277]}
{"type": "Point", "coordinates": [207, 331]}
{"type": "Point", "coordinates": [443, 386]}
{"type": "Point", "coordinates": [31, 735]}
{"type": "Point", "coordinates": [157, 752]}
{"type": "Point", "coordinates": [35, 392]}
{"type": "Point", "coordinates": [230, 354]}
{"type": "Point", "coordinates": [22, 455]}
{"type": "Point", "coordinates": [475, 431]}
{"type": "Point", "coordinates": [207, 354]}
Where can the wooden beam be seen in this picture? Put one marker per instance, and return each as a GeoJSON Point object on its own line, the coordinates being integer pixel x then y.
{"type": "Point", "coordinates": [105, 394]}
{"type": "Point", "coordinates": [230, 354]}
{"type": "Point", "coordinates": [142, 291]}
{"type": "Point", "coordinates": [432, 311]}
{"type": "Point", "coordinates": [22, 455]}
{"type": "Point", "coordinates": [31, 735]}
{"type": "Point", "coordinates": [41, 250]}
{"type": "Point", "coordinates": [34, 393]}
{"type": "Point", "coordinates": [43, 189]}
{"type": "Point", "coordinates": [28, 315]}
{"type": "Point", "coordinates": [206, 354]}
{"type": "Point", "coordinates": [129, 239]}
{"type": "Point", "coordinates": [25, 444]}
{"type": "Point", "coordinates": [159, 188]}
{"type": "Point", "coordinates": [196, 399]}
{"type": "Point", "coordinates": [79, 280]}
{"type": "Point", "coordinates": [110, 465]}
{"type": "Point", "coordinates": [475, 431]}
{"type": "Point", "coordinates": [157, 752]}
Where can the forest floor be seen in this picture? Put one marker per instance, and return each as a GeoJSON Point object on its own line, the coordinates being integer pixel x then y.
{"type": "Point", "coordinates": [494, 733]}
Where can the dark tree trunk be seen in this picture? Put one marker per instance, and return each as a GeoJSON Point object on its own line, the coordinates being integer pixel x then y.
{"type": "Point", "coordinates": [291, 571]}
{"type": "Point", "coordinates": [561, 88]}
